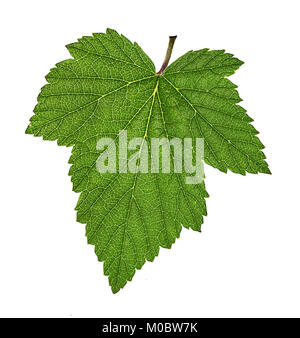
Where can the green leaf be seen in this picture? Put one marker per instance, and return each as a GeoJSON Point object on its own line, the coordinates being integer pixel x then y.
{"type": "Point", "coordinates": [109, 85]}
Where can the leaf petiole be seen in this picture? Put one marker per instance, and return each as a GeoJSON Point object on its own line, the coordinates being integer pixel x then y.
{"type": "Point", "coordinates": [168, 54]}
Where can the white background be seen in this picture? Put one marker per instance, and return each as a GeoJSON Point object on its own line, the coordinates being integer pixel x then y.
{"type": "Point", "coordinates": [246, 260]}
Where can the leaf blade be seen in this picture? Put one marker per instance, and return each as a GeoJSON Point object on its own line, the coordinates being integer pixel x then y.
{"type": "Point", "coordinates": [111, 85]}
